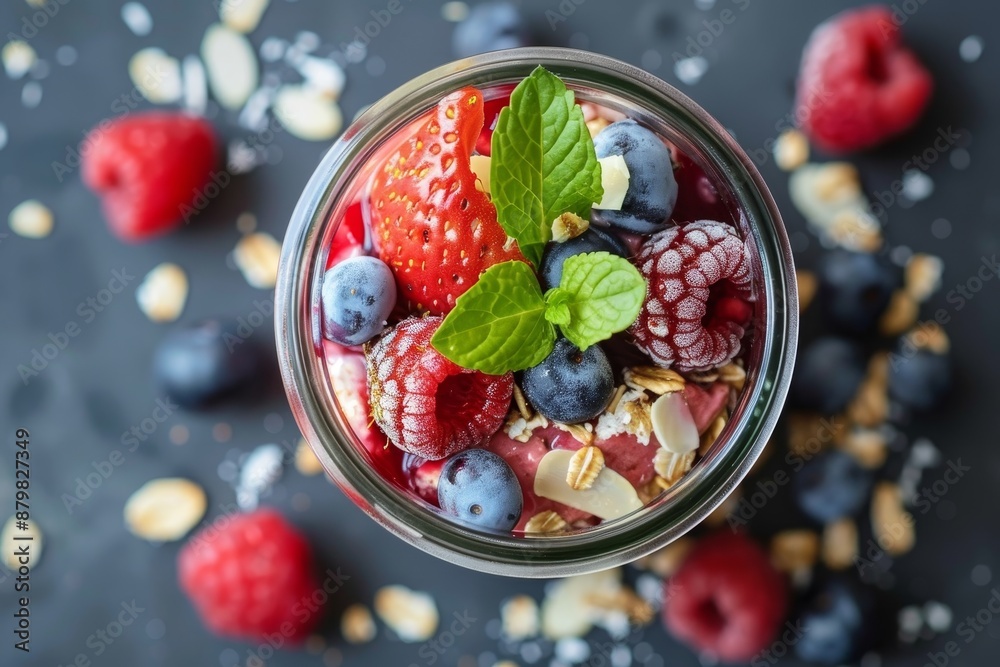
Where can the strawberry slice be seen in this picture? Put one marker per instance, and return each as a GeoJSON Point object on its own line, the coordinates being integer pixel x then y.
{"type": "Point", "coordinates": [433, 227]}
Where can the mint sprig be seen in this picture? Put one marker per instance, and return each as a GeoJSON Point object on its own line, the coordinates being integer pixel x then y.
{"type": "Point", "coordinates": [543, 162]}
{"type": "Point", "coordinates": [504, 323]}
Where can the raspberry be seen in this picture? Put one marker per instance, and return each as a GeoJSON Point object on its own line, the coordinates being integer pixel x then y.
{"type": "Point", "coordinates": [698, 296]}
{"type": "Point", "coordinates": [726, 599]}
{"type": "Point", "coordinates": [426, 404]}
{"type": "Point", "coordinates": [150, 169]}
{"type": "Point", "coordinates": [251, 578]}
{"type": "Point", "coordinates": [858, 83]}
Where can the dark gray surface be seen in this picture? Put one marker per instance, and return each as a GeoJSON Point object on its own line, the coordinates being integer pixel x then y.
{"type": "Point", "coordinates": [99, 386]}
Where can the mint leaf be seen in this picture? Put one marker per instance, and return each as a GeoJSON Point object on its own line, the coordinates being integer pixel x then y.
{"type": "Point", "coordinates": [557, 306]}
{"type": "Point", "coordinates": [543, 162]}
{"type": "Point", "coordinates": [605, 296]}
{"type": "Point", "coordinates": [498, 325]}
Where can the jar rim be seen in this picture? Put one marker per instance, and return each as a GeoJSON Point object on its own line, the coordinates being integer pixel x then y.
{"type": "Point", "coordinates": [678, 510]}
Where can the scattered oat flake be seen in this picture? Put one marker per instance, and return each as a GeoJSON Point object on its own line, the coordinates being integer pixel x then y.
{"type": "Point", "coordinates": [11, 536]}
{"type": "Point", "coordinates": [520, 618]}
{"type": "Point", "coordinates": [231, 65]}
{"type": "Point", "coordinates": [840, 544]}
{"type": "Point", "coordinates": [242, 15]}
{"type": "Point", "coordinates": [306, 461]}
{"type": "Point", "coordinates": [195, 85]}
{"type": "Point", "coordinates": [791, 150]}
{"type": "Point", "coordinates": [137, 18]}
{"type": "Point", "coordinates": [893, 525]}
{"type": "Point", "coordinates": [257, 256]}
{"type": "Point", "coordinates": [971, 48]}
{"type": "Point", "coordinates": [31, 219]}
{"type": "Point", "coordinates": [164, 510]}
{"type": "Point", "coordinates": [307, 113]}
{"type": "Point", "coordinates": [18, 58]}
{"type": "Point", "coordinates": [454, 12]}
{"type": "Point", "coordinates": [412, 615]}
{"type": "Point", "coordinates": [690, 70]}
{"type": "Point", "coordinates": [794, 550]}
{"type": "Point", "coordinates": [156, 75]}
{"type": "Point", "coordinates": [357, 625]}
{"type": "Point", "coordinates": [31, 94]}
{"type": "Point", "coordinates": [566, 611]}
{"type": "Point", "coordinates": [163, 293]}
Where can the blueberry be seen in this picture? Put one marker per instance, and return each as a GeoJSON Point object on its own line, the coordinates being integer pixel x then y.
{"type": "Point", "coordinates": [358, 296]}
{"type": "Point", "coordinates": [652, 188]}
{"type": "Point", "coordinates": [201, 363]}
{"type": "Point", "coordinates": [480, 489]}
{"type": "Point", "coordinates": [831, 486]}
{"type": "Point", "coordinates": [837, 622]}
{"type": "Point", "coordinates": [855, 289]}
{"type": "Point", "coordinates": [919, 379]}
{"type": "Point", "coordinates": [827, 375]}
{"type": "Point", "coordinates": [592, 240]}
{"type": "Point", "coordinates": [570, 386]}
{"type": "Point", "coordinates": [490, 26]}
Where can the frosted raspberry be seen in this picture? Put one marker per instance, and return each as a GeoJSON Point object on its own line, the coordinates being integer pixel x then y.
{"type": "Point", "coordinates": [426, 404]}
{"type": "Point", "coordinates": [698, 297]}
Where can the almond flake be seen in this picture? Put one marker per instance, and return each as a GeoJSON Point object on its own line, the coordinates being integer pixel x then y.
{"type": "Point", "coordinates": [893, 525]}
{"type": "Point", "coordinates": [307, 114]}
{"type": "Point", "coordinates": [673, 424]}
{"type": "Point", "coordinates": [791, 150]}
{"type": "Point", "coordinates": [164, 510]}
{"type": "Point", "coordinates": [900, 315]}
{"type": "Point", "coordinates": [357, 625]}
{"type": "Point", "coordinates": [870, 406]}
{"type": "Point", "coordinates": [923, 276]}
{"type": "Point", "coordinates": [31, 219]}
{"type": "Point", "coordinates": [156, 75]}
{"type": "Point", "coordinates": [672, 466]}
{"type": "Point", "coordinates": [480, 165]}
{"type": "Point", "coordinates": [242, 15]}
{"type": "Point", "coordinates": [520, 618]}
{"type": "Point", "coordinates": [794, 550]}
{"type": "Point", "coordinates": [306, 461]}
{"type": "Point", "coordinates": [807, 284]}
{"type": "Point", "coordinates": [231, 65]}
{"type": "Point", "coordinates": [610, 496]}
{"type": "Point", "coordinates": [11, 537]}
{"type": "Point", "coordinates": [545, 522]}
{"type": "Point", "coordinates": [653, 378]}
{"type": "Point", "coordinates": [18, 58]}
{"type": "Point", "coordinates": [584, 466]}
{"type": "Point", "coordinates": [257, 257]}
{"type": "Point", "coordinates": [837, 181]}
{"type": "Point", "coordinates": [867, 446]}
{"type": "Point", "coordinates": [163, 293]}
{"type": "Point", "coordinates": [666, 561]}
{"type": "Point", "coordinates": [411, 615]}
{"type": "Point", "coordinates": [840, 544]}
{"type": "Point", "coordinates": [568, 226]}
{"type": "Point", "coordinates": [566, 610]}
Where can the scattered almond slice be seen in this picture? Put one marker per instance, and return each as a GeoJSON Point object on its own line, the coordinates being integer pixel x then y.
{"type": "Point", "coordinates": [807, 284]}
{"type": "Point", "coordinates": [568, 226]}
{"type": "Point", "coordinates": [791, 150]}
{"type": "Point", "coordinates": [242, 15]}
{"type": "Point", "coordinates": [822, 192]}
{"type": "Point", "coordinates": [306, 461]}
{"type": "Point", "coordinates": [545, 522]}
{"type": "Point", "coordinates": [672, 466]}
{"type": "Point", "coordinates": [611, 496]}
{"type": "Point", "coordinates": [673, 424]}
{"type": "Point", "coordinates": [306, 113]}
{"type": "Point", "coordinates": [856, 229]}
{"type": "Point", "coordinates": [480, 165]}
{"type": "Point", "coordinates": [623, 601]}
{"type": "Point", "coordinates": [584, 467]}
{"type": "Point", "coordinates": [163, 293]}
{"type": "Point", "coordinates": [566, 611]}
{"type": "Point", "coordinates": [18, 58]}
{"type": "Point", "coordinates": [11, 537]}
{"type": "Point", "coordinates": [411, 615]}
{"type": "Point", "coordinates": [164, 510]}
{"type": "Point", "coordinates": [520, 618]}
{"type": "Point", "coordinates": [31, 219]}
{"type": "Point", "coordinates": [893, 525]}
{"type": "Point", "coordinates": [156, 75]}
{"type": "Point", "coordinates": [231, 65]}
{"type": "Point", "coordinates": [615, 178]}
{"type": "Point", "coordinates": [257, 256]}
{"type": "Point", "coordinates": [666, 561]}
{"type": "Point", "coordinates": [840, 544]}
{"type": "Point", "coordinates": [794, 550]}
{"type": "Point", "coordinates": [357, 625]}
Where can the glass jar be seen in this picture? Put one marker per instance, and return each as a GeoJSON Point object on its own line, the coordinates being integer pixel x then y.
{"type": "Point", "coordinates": [771, 338]}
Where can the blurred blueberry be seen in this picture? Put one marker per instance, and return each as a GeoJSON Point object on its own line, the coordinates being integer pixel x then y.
{"type": "Point", "coordinates": [831, 486]}
{"type": "Point", "coordinates": [919, 379]}
{"type": "Point", "coordinates": [827, 374]}
{"type": "Point", "coordinates": [855, 289]}
{"type": "Point", "coordinates": [838, 622]}
{"type": "Point", "coordinates": [490, 26]}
